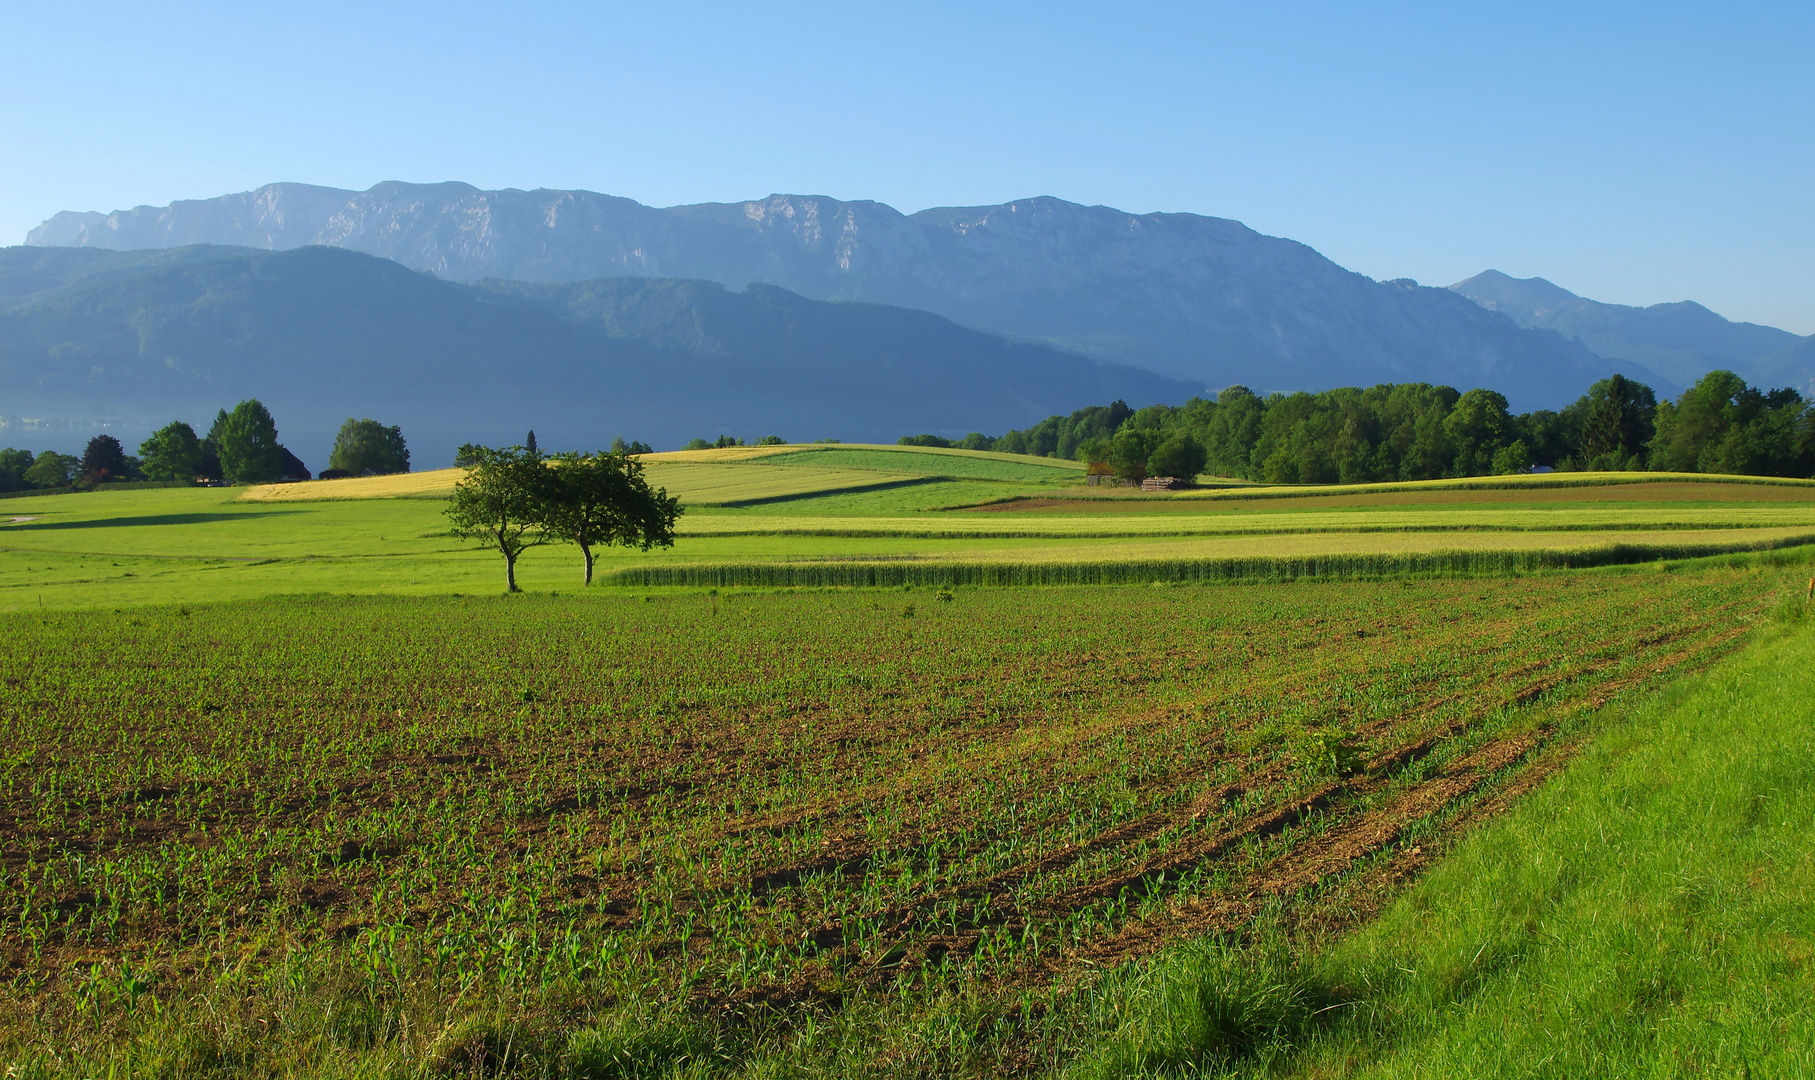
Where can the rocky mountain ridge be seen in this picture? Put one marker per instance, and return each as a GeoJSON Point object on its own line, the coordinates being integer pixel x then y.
{"type": "Point", "coordinates": [1200, 298]}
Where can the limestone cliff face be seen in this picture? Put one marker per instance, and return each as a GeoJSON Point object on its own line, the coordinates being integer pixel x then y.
{"type": "Point", "coordinates": [1195, 297]}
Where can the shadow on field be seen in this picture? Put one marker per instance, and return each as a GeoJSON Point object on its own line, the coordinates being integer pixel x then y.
{"type": "Point", "coordinates": [146, 519]}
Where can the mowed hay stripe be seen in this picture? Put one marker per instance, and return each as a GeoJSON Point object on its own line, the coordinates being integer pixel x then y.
{"type": "Point", "coordinates": [697, 481]}
{"type": "Point", "coordinates": [393, 486]}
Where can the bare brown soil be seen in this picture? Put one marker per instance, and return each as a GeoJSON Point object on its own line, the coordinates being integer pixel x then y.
{"type": "Point", "coordinates": [794, 797]}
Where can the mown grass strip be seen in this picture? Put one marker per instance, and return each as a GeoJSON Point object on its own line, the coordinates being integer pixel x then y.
{"type": "Point", "coordinates": [959, 464]}
{"type": "Point", "coordinates": [868, 486]}
{"type": "Point", "coordinates": [1323, 567]}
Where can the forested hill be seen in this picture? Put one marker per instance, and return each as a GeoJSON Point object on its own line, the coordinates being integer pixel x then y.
{"type": "Point", "coordinates": [320, 334]}
{"type": "Point", "coordinates": [1199, 298]}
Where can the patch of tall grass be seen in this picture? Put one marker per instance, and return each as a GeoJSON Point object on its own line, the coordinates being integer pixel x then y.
{"type": "Point", "coordinates": [1648, 913]}
{"type": "Point", "coordinates": [1332, 566]}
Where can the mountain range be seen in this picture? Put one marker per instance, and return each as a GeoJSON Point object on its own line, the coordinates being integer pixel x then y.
{"type": "Point", "coordinates": [317, 333]}
{"type": "Point", "coordinates": [1680, 341]}
{"type": "Point", "coordinates": [474, 314]}
{"type": "Point", "coordinates": [1197, 298]}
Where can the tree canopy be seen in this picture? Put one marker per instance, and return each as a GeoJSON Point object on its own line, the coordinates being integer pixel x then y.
{"type": "Point", "coordinates": [51, 469]}
{"type": "Point", "coordinates": [515, 499]}
{"type": "Point", "coordinates": [503, 500]}
{"type": "Point", "coordinates": [13, 466]}
{"type": "Point", "coordinates": [601, 499]}
{"type": "Point", "coordinates": [172, 453]}
{"type": "Point", "coordinates": [104, 459]}
{"type": "Point", "coordinates": [366, 447]}
{"type": "Point", "coordinates": [1417, 431]}
{"type": "Point", "coordinates": [246, 440]}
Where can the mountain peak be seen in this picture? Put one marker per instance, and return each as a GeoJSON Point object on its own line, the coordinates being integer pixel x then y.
{"type": "Point", "coordinates": [1681, 340]}
{"type": "Point", "coordinates": [1496, 291]}
{"type": "Point", "coordinates": [1188, 296]}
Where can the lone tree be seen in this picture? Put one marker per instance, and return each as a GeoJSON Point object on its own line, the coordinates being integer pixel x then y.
{"type": "Point", "coordinates": [367, 446]}
{"type": "Point", "coordinates": [172, 453]}
{"type": "Point", "coordinates": [602, 499]}
{"type": "Point", "coordinates": [503, 499]}
{"type": "Point", "coordinates": [103, 459]}
{"type": "Point", "coordinates": [247, 441]}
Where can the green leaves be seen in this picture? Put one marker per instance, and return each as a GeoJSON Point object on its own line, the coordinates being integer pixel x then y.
{"type": "Point", "coordinates": [503, 500]}
{"type": "Point", "coordinates": [248, 444]}
{"type": "Point", "coordinates": [366, 446]}
{"type": "Point", "coordinates": [515, 498]}
{"type": "Point", "coordinates": [172, 453]}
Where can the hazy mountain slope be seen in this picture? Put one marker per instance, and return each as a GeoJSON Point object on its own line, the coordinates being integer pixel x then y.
{"type": "Point", "coordinates": [1196, 297]}
{"type": "Point", "coordinates": [1793, 366]}
{"type": "Point", "coordinates": [1682, 341]}
{"type": "Point", "coordinates": [320, 334]}
{"type": "Point", "coordinates": [27, 274]}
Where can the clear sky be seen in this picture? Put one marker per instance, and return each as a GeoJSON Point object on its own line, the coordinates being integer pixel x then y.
{"type": "Point", "coordinates": [1633, 153]}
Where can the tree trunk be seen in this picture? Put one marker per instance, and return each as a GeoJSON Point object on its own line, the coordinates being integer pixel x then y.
{"type": "Point", "coordinates": [586, 550]}
{"type": "Point", "coordinates": [510, 571]}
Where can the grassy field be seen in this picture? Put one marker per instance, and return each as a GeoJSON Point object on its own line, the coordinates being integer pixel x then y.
{"type": "Point", "coordinates": [707, 483]}
{"type": "Point", "coordinates": [956, 464]}
{"type": "Point", "coordinates": [719, 476]}
{"type": "Point", "coordinates": [1649, 913]}
{"type": "Point", "coordinates": [389, 835]}
{"type": "Point", "coordinates": [757, 519]}
{"type": "Point", "coordinates": [288, 788]}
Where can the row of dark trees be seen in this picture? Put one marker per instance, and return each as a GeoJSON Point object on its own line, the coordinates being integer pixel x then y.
{"type": "Point", "coordinates": [103, 461]}
{"type": "Point", "coordinates": [724, 441]}
{"type": "Point", "coordinates": [515, 498]}
{"type": "Point", "coordinates": [240, 448]}
{"type": "Point", "coordinates": [1416, 431]}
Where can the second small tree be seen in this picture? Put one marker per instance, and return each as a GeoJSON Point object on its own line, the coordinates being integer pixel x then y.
{"type": "Point", "coordinates": [602, 499]}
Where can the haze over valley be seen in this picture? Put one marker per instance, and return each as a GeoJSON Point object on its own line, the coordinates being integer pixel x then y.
{"type": "Point", "coordinates": [526, 313]}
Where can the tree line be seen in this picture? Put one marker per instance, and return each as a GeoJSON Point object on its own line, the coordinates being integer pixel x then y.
{"type": "Point", "coordinates": [241, 447]}
{"type": "Point", "coordinates": [1417, 431]}
{"type": "Point", "coordinates": [515, 498]}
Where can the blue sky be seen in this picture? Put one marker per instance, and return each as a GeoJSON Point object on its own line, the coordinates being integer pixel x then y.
{"type": "Point", "coordinates": [1631, 153]}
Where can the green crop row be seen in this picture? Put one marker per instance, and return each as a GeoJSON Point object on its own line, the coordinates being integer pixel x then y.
{"type": "Point", "coordinates": [801, 804]}
{"type": "Point", "coordinates": [1324, 567]}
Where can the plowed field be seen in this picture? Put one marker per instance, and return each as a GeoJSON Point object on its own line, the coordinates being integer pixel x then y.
{"type": "Point", "coordinates": [789, 798]}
